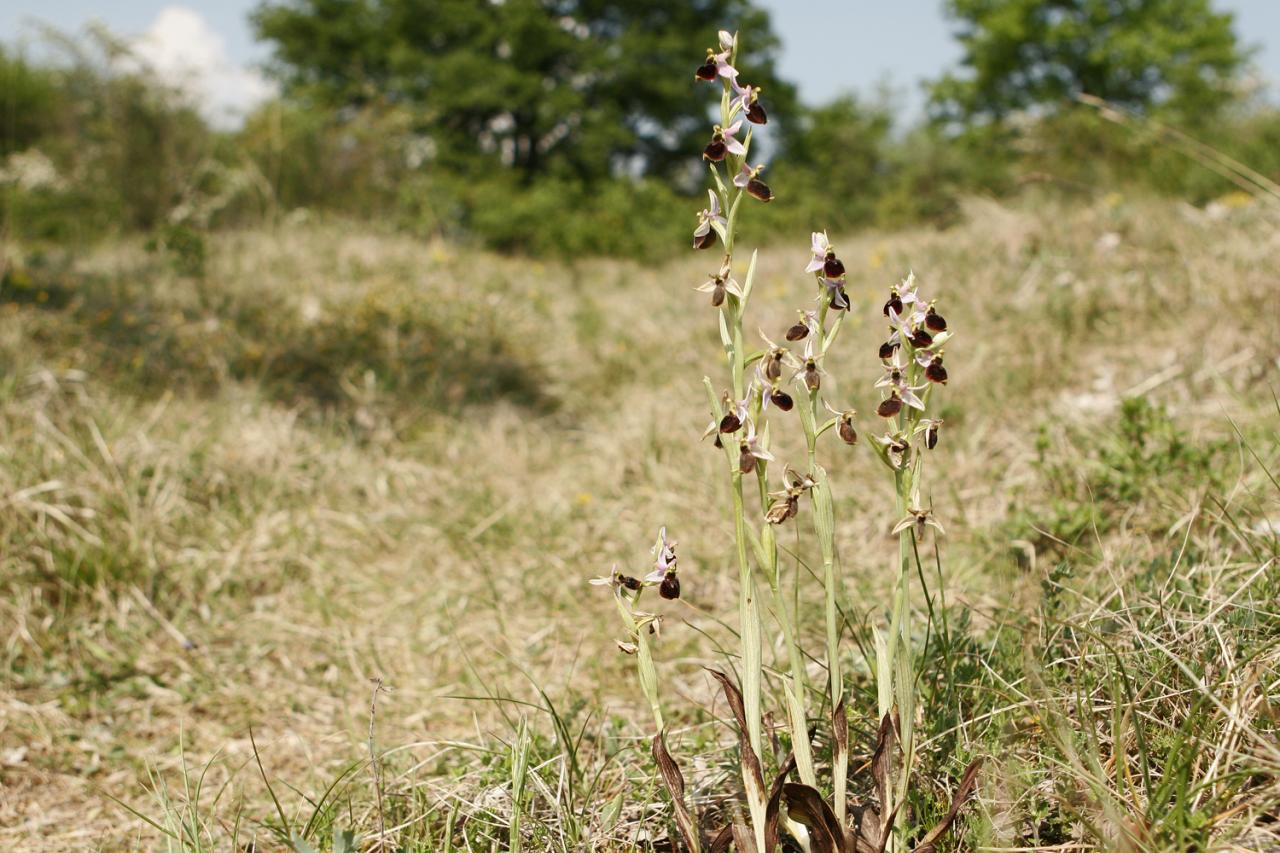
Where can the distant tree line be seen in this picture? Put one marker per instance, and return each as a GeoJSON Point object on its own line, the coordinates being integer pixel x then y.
{"type": "Point", "coordinates": [574, 126]}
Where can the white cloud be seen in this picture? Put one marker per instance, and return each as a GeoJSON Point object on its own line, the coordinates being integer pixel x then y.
{"type": "Point", "coordinates": [186, 52]}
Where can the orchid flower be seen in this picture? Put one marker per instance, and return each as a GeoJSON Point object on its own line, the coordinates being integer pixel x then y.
{"type": "Point", "coordinates": [752, 451]}
{"type": "Point", "coordinates": [748, 101]}
{"type": "Point", "coordinates": [820, 245]}
{"type": "Point", "coordinates": [704, 236]}
{"type": "Point", "coordinates": [807, 325]}
{"type": "Point", "coordinates": [748, 178]}
{"type": "Point", "coordinates": [844, 423]}
{"type": "Point", "coordinates": [719, 284]}
{"type": "Point", "coordinates": [920, 519]}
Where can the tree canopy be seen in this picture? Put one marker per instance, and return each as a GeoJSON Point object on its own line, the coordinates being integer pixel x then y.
{"type": "Point", "coordinates": [1179, 55]}
{"type": "Point", "coordinates": [582, 89]}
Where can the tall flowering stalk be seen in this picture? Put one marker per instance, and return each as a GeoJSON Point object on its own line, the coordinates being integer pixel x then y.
{"type": "Point", "coordinates": [736, 423]}
{"type": "Point", "coordinates": [912, 360]}
{"type": "Point", "coordinates": [764, 385]}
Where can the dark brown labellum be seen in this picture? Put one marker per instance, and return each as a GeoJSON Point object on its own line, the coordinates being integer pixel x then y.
{"type": "Point", "coordinates": [756, 113]}
{"type": "Point", "coordinates": [887, 349]}
{"type": "Point", "coordinates": [773, 367]}
{"type": "Point", "coordinates": [921, 339]}
{"type": "Point", "coordinates": [812, 379]}
{"type": "Point", "coordinates": [717, 296]}
{"type": "Point", "coordinates": [630, 583]}
{"type": "Point", "coordinates": [890, 407]}
{"type": "Point", "coordinates": [833, 267]}
{"type": "Point", "coordinates": [706, 71]}
{"type": "Point", "coordinates": [746, 462]}
{"type": "Point", "coordinates": [848, 434]}
{"type": "Point", "coordinates": [715, 149]}
{"type": "Point", "coordinates": [798, 332]}
{"type": "Point", "coordinates": [718, 443]}
{"type": "Point", "coordinates": [793, 506]}
{"type": "Point", "coordinates": [935, 322]}
{"type": "Point", "coordinates": [670, 587]}
{"type": "Point", "coordinates": [935, 372]}
{"type": "Point", "coordinates": [706, 241]}
{"type": "Point", "coordinates": [840, 299]}
{"type": "Point", "coordinates": [730, 423]}
{"type": "Point", "coordinates": [894, 303]}
{"type": "Point", "coordinates": [782, 400]}
{"type": "Point", "coordinates": [931, 437]}
{"type": "Point", "coordinates": [758, 189]}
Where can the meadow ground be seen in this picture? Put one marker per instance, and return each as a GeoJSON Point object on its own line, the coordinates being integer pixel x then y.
{"type": "Point", "coordinates": [231, 497]}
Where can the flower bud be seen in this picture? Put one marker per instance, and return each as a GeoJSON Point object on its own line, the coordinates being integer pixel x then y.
{"type": "Point", "coordinates": [670, 586]}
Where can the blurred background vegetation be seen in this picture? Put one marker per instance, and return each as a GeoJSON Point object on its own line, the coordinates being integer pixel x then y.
{"type": "Point", "coordinates": [540, 127]}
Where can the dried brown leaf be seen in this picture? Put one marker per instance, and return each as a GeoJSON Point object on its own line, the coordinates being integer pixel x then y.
{"type": "Point", "coordinates": [805, 805]}
{"type": "Point", "coordinates": [674, 781]}
{"type": "Point", "coordinates": [967, 783]}
{"type": "Point", "coordinates": [750, 761]}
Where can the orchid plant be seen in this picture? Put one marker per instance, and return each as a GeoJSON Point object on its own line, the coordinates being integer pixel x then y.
{"type": "Point", "coordinates": [765, 385]}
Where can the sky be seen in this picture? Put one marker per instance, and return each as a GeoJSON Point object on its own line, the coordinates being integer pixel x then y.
{"type": "Point", "coordinates": [829, 46]}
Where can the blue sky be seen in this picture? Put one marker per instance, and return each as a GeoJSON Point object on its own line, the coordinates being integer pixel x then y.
{"type": "Point", "coordinates": [829, 46]}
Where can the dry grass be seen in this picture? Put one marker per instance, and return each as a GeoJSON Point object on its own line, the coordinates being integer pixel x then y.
{"type": "Point", "coordinates": [197, 541]}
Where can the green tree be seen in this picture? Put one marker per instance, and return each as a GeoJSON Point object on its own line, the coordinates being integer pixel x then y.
{"type": "Point", "coordinates": [577, 89]}
{"type": "Point", "coordinates": [1178, 55]}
